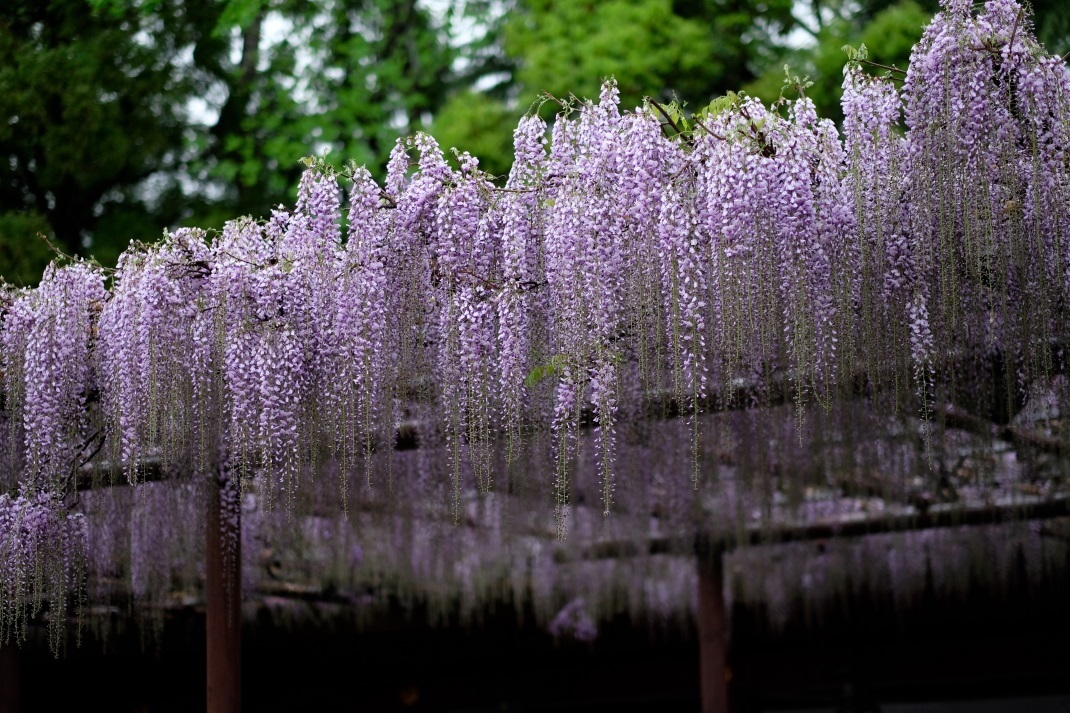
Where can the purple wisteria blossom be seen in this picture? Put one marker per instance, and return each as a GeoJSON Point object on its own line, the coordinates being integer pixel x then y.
{"type": "Point", "coordinates": [42, 559]}
{"type": "Point", "coordinates": [642, 298]}
{"type": "Point", "coordinates": [520, 248]}
{"type": "Point", "coordinates": [57, 322]}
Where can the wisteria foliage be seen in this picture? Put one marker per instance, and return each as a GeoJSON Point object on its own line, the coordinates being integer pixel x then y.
{"type": "Point", "coordinates": [527, 332]}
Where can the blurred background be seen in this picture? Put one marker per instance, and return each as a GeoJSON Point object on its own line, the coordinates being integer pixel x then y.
{"type": "Point", "coordinates": [121, 118]}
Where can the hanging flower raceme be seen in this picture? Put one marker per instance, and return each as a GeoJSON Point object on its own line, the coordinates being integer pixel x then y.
{"type": "Point", "coordinates": [465, 239]}
{"type": "Point", "coordinates": [517, 301]}
{"type": "Point", "coordinates": [737, 176]}
{"type": "Point", "coordinates": [48, 353]}
{"type": "Point", "coordinates": [360, 329]}
{"type": "Point", "coordinates": [311, 256]}
{"type": "Point", "coordinates": [886, 276]}
{"type": "Point", "coordinates": [682, 248]}
{"type": "Point", "coordinates": [987, 218]}
{"type": "Point", "coordinates": [645, 164]}
{"type": "Point", "coordinates": [625, 271]}
{"type": "Point", "coordinates": [585, 271]}
{"type": "Point", "coordinates": [42, 559]}
{"type": "Point", "coordinates": [232, 294]}
{"type": "Point", "coordinates": [771, 202]}
{"type": "Point", "coordinates": [832, 266]}
{"type": "Point", "coordinates": [562, 306]}
{"type": "Point", "coordinates": [153, 369]}
{"type": "Point", "coordinates": [414, 287]}
{"type": "Point", "coordinates": [267, 374]}
{"type": "Point", "coordinates": [18, 320]}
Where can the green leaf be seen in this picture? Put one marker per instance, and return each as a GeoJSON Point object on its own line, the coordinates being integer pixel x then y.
{"type": "Point", "coordinates": [855, 54]}
{"type": "Point", "coordinates": [237, 13]}
{"type": "Point", "coordinates": [536, 375]}
{"type": "Point", "coordinates": [794, 82]}
{"type": "Point", "coordinates": [555, 367]}
{"type": "Point", "coordinates": [719, 106]}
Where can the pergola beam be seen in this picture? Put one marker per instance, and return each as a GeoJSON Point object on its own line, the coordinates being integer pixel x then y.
{"type": "Point", "coordinates": [933, 518]}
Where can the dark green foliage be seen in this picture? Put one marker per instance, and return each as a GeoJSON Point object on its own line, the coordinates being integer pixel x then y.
{"type": "Point", "coordinates": [1051, 18]}
{"type": "Point", "coordinates": [118, 118]}
{"type": "Point", "coordinates": [480, 124]}
{"type": "Point", "coordinates": [889, 34]}
{"type": "Point", "coordinates": [351, 77]}
{"type": "Point", "coordinates": [86, 115]}
{"type": "Point", "coordinates": [22, 253]}
{"type": "Point", "coordinates": [654, 47]}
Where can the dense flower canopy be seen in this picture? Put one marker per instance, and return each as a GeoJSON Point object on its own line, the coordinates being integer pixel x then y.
{"type": "Point", "coordinates": [810, 306]}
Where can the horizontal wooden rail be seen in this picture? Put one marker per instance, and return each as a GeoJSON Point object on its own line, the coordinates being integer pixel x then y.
{"type": "Point", "coordinates": [934, 518]}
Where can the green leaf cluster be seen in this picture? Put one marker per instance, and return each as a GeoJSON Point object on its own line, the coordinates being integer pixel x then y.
{"type": "Point", "coordinates": [554, 368]}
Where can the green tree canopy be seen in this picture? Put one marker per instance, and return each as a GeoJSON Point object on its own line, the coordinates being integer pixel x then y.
{"type": "Point", "coordinates": [120, 117]}
{"type": "Point", "coordinates": [889, 34]}
{"type": "Point", "coordinates": [91, 106]}
{"type": "Point", "coordinates": [349, 75]}
{"type": "Point", "coordinates": [694, 49]}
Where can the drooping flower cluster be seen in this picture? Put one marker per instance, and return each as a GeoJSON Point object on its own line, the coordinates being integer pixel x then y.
{"type": "Point", "coordinates": [986, 184]}
{"type": "Point", "coordinates": [527, 335]}
{"type": "Point", "coordinates": [359, 321]}
{"type": "Point", "coordinates": [152, 364]}
{"type": "Point", "coordinates": [42, 560]}
{"type": "Point", "coordinates": [780, 233]}
{"type": "Point", "coordinates": [886, 286]}
{"type": "Point", "coordinates": [520, 268]}
{"type": "Point", "coordinates": [48, 353]}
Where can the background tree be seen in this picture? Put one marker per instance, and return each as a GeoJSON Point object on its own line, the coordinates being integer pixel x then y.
{"type": "Point", "coordinates": [93, 105]}
{"type": "Point", "coordinates": [694, 49]}
{"type": "Point", "coordinates": [889, 32]}
{"type": "Point", "coordinates": [1052, 24]}
{"type": "Point", "coordinates": [122, 117]}
{"type": "Point", "coordinates": [349, 76]}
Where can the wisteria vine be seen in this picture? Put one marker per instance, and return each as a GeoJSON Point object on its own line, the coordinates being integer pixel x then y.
{"type": "Point", "coordinates": [621, 273]}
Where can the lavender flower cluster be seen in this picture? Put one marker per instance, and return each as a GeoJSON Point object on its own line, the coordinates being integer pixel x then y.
{"type": "Point", "coordinates": [42, 560]}
{"type": "Point", "coordinates": [620, 273]}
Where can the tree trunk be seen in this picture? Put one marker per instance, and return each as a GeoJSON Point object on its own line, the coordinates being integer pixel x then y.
{"type": "Point", "coordinates": [712, 633]}
{"type": "Point", "coordinates": [223, 596]}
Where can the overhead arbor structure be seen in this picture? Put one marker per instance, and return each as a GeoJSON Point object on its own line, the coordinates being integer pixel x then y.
{"type": "Point", "coordinates": [651, 348]}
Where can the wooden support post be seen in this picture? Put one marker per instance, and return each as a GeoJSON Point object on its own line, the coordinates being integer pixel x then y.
{"type": "Point", "coordinates": [9, 678]}
{"type": "Point", "coordinates": [223, 597]}
{"type": "Point", "coordinates": [712, 633]}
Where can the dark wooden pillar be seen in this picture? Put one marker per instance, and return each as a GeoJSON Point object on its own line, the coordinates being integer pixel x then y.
{"type": "Point", "coordinates": [223, 597]}
{"type": "Point", "coordinates": [712, 633]}
{"type": "Point", "coordinates": [9, 678]}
